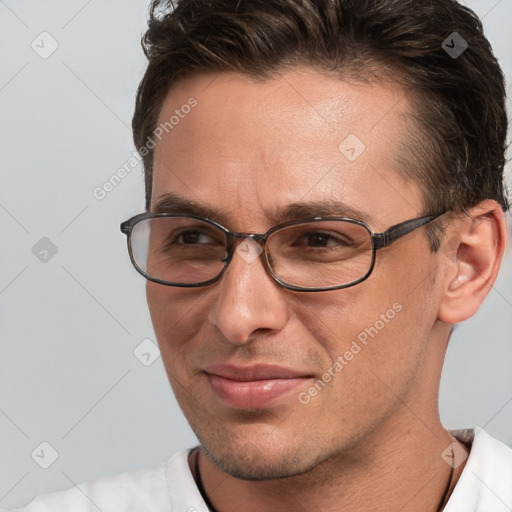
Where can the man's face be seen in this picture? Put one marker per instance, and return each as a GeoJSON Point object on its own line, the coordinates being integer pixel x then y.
{"type": "Point", "coordinates": [335, 367]}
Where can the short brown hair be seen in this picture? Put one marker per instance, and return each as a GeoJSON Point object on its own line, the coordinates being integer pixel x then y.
{"type": "Point", "coordinates": [456, 150]}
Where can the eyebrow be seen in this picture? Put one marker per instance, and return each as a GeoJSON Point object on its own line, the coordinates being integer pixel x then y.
{"type": "Point", "coordinates": [173, 203]}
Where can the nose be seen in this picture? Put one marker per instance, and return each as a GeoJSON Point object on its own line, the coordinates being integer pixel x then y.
{"type": "Point", "coordinates": [247, 299]}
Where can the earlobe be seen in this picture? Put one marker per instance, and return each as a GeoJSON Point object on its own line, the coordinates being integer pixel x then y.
{"type": "Point", "coordinates": [474, 248]}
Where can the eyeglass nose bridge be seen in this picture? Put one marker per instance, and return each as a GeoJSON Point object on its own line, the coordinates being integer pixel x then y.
{"type": "Point", "coordinates": [233, 237]}
{"type": "Point", "coordinates": [257, 237]}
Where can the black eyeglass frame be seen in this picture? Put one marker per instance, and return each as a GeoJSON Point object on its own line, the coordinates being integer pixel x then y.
{"type": "Point", "coordinates": [378, 240]}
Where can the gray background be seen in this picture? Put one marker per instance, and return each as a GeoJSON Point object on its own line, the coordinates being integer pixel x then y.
{"type": "Point", "coordinates": [70, 324]}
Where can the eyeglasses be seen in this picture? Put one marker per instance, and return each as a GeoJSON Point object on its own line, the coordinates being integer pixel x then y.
{"type": "Point", "coordinates": [312, 255]}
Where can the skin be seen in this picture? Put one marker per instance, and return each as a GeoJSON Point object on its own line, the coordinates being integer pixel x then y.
{"type": "Point", "coordinates": [372, 437]}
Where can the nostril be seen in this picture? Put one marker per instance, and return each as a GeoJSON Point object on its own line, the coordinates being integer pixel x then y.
{"type": "Point", "coordinates": [262, 330]}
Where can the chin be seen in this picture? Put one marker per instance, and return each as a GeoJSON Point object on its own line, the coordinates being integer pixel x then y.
{"type": "Point", "coordinates": [257, 467]}
{"type": "Point", "coordinates": [250, 459]}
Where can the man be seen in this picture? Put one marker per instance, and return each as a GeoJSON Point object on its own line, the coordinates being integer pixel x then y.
{"type": "Point", "coordinates": [325, 196]}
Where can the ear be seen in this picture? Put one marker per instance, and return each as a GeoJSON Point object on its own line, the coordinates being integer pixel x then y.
{"type": "Point", "coordinates": [473, 246]}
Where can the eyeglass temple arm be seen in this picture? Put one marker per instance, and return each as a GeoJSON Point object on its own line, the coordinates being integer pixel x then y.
{"type": "Point", "coordinates": [399, 230]}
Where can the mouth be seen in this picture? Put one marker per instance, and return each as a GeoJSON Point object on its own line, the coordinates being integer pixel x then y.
{"type": "Point", "coordinates": [255, 386]}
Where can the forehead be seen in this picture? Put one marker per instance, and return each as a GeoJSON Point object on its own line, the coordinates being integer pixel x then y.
{"type": "Point", "coordinates": [246, 146]}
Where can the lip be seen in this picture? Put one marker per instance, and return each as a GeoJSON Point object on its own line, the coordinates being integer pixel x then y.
{"type": "Point", "coordinates": [253, 387]}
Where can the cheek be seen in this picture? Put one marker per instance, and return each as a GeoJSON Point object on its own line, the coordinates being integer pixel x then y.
{"type": "Point", "coordinates": [174, 316]}
{"type": "Point", "coordinates": [381, 323]}
{"type": "Point", "coordinates": [158, 299]}
{"type": "Point", "coordinates": [336, 318]}
{"type": "Point", "coordinates": [375, 350]}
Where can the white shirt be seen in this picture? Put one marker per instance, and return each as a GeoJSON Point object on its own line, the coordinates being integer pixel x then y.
{"type": "Point", "coordinates": [485, 485]}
